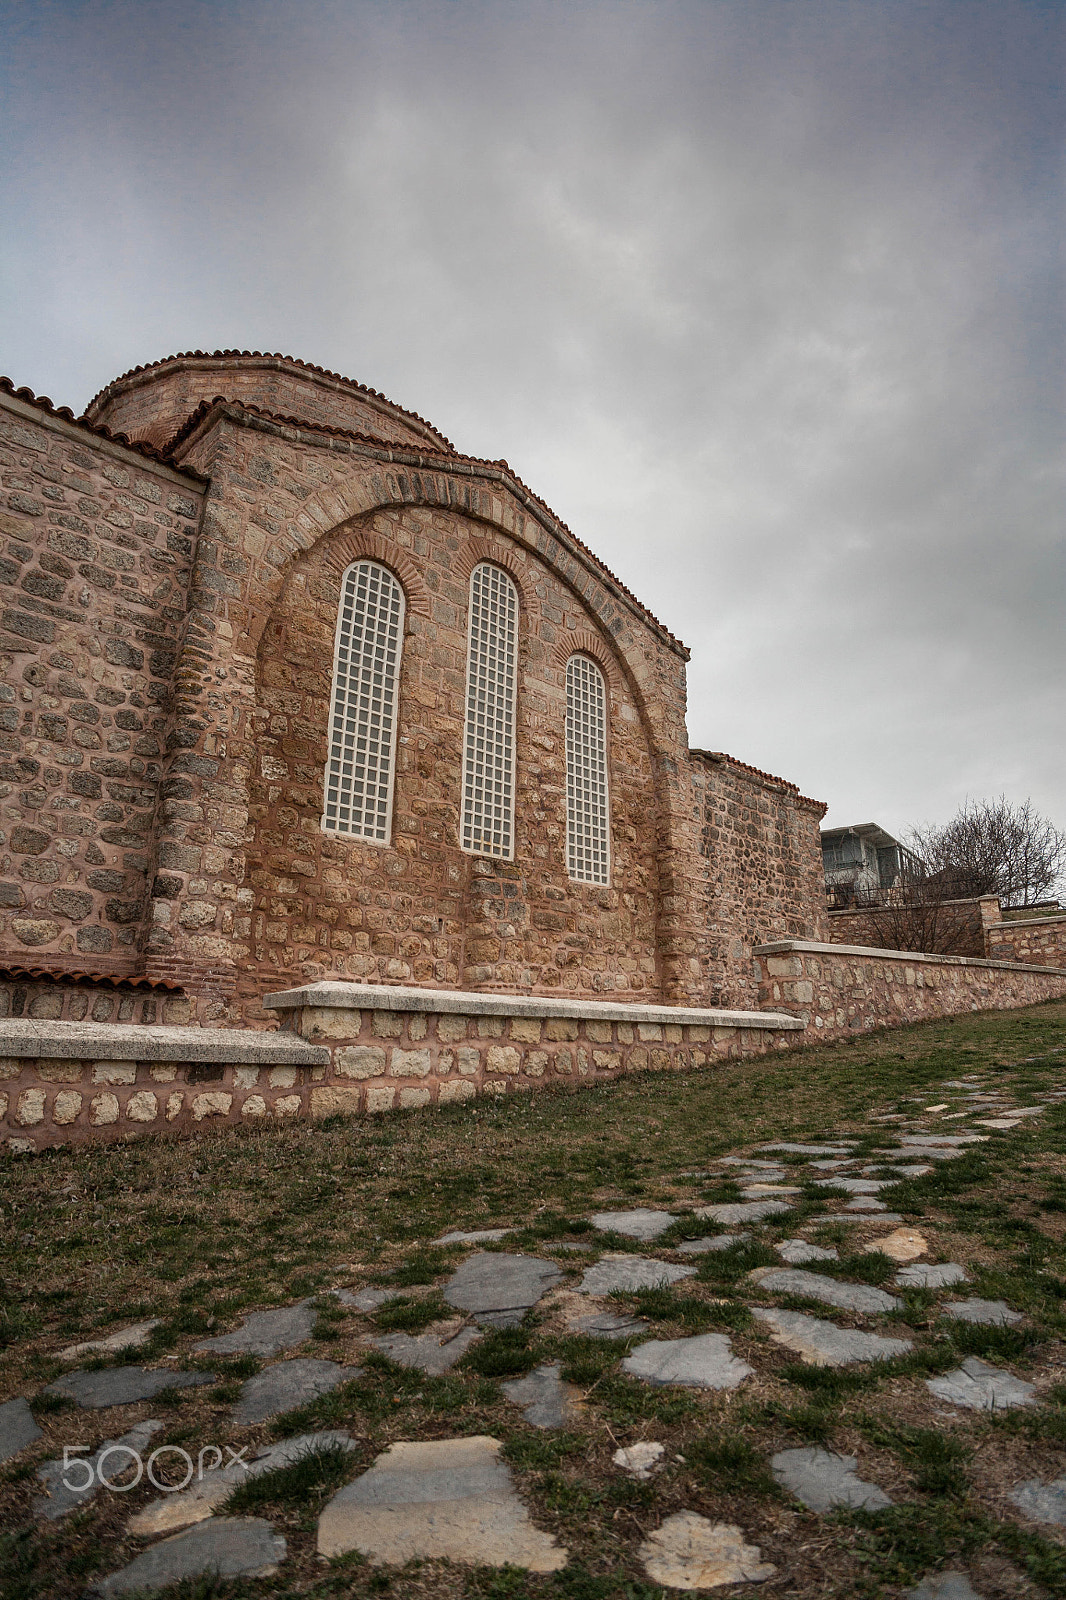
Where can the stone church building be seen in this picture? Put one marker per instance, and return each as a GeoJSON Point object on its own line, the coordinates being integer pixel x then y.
{"type": "Point", "coordinates": [292, 689]}
{"type": "Point", "coordinates": [337, 776]}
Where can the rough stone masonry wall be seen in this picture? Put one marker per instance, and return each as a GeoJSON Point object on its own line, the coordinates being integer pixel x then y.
{"type": "Point", "coordinates": [96, 544]}
{"type": "Point", "coordinates": [760, 870]}
{"type": "Point", "coordinates": [421, 910]}
{"type": "Point", "coordinates": [1040, 941]}
{"type": "Point", "coordinates": [281, 500]}
{"type": "Point", "coordinates": [367, 1062]}
{"type": "Point", "coordinates": [952, 927]}
{"type": "Point", "coordinates": [840, 991]}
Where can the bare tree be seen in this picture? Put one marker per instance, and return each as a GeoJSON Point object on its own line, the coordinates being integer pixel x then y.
{"type": "Point", "coordinates": [992, 847]}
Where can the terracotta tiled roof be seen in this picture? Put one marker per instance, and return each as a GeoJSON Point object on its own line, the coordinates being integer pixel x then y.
{"type": "Point", "coordinates": [60, 974]}
{"type": "Point", "coordinates": [267, 355]}
{"type": "Point", "coordinates": [41, 402]}
{"type": "Point", "coordinates": [446, 458]}
{"type": "Point", "coordinates": [757, 772]}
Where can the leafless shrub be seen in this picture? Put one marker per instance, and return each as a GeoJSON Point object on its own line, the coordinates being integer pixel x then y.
{"type": "Point", "coordinates": [991, 847]}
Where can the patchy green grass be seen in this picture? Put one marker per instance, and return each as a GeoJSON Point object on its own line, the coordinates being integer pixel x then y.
{"type": "Point", "coordinates": [200, 1231]}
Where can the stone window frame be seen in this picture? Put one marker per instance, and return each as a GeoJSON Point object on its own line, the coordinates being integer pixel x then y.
{"type": "Point", "coordinates": [595, 817]}
{"type": "Point", "coordinates": [502, 846]}
{"type": "Point", "coordinates": [381, 833]}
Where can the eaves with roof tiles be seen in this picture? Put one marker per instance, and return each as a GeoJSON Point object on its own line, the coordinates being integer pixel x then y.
{"type": "Point", "coordinates": [41, 402]}
{"type": "Point", "coordinates": [757, 772]}
{"type": "Point", "coordinates": [266, 355]}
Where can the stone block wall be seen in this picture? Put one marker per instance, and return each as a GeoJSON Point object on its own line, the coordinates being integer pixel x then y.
{"type": "Point", "coordinates": [96, 544]}
{"type": "Point", "coordinates": [48, 1000]}
{"type": "Point", "coordinates": [1040, 941]}
{"type": "Point", "coordinates": [950, 927]}
{"type": "Point", "coordinates": [421, 910]}
{"type": "Point", "coordinates": [117, 1083]}
{"type": "Point", "coordinates": [759, 869]}
{"type": "Point", "coordinates": [839, 991]}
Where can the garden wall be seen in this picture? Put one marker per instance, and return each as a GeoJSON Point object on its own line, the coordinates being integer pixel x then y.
{"type": "Point", "coordinates": [841, 990]}
{"type": "Point", "coordinates": [1041, 941]}
{"type": "Point", "coordinates": [343, 1049]}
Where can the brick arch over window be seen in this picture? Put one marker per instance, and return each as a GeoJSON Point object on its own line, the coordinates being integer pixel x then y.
{"type": "Point", "coordinates": [590, 644]}
{"type": "Point", "coordinates": [349, 544]}
{"type": "Point", "coordinates": [478, 549]}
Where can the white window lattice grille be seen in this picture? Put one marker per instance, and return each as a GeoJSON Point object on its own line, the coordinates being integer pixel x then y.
{"type": "Point", "coordinates": [488, 757]}
{"type": "Point", "coordinates": [366, 667]}
{"type": "Point", "coordinates": [587, 814]}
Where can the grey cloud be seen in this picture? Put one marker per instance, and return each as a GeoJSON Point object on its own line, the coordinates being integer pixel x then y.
{"type": "Point", "coordinates": [764, 299]}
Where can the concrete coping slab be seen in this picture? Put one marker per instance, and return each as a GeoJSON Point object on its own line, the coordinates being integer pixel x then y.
{"type": "Point", "coordinates": [786, 947]}
{"type": "Point", "coordinates": [386, 997]}
{"type": "Point", "coordinates": [128, 1041]}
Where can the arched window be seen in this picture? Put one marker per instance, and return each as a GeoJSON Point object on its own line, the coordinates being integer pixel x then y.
{"type": "Point", "coordinates": [488, 755]}
{"type": "Point", "coordinates": [362, 720]}
{"type": "Point", "coordinates": [588, 827]}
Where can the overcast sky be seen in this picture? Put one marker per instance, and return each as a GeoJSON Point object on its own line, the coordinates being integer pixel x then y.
{"type": "Point", "coordinates": [765, 299]}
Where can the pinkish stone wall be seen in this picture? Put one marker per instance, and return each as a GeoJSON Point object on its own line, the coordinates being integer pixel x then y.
{"type": "Point", "coordinates": [96, 546]}
{"type": "Point", "coordinates": [1040, 942]}
{"type": "Point", "coordinates": [381, 1061]}
{"type": "Point", "coordinates": [841, 992]}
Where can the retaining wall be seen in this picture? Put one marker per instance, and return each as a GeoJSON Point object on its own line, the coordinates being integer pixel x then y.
{"type": "Point", "coordinates": [1038, 941]}
{"type": "Point", "coordinates": [343, 1049]}
{"type": "Point", "coordinates": [841, 990]}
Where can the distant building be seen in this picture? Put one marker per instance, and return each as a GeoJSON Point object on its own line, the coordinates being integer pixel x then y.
{"type": "Point", "coordinates": [861, 862]}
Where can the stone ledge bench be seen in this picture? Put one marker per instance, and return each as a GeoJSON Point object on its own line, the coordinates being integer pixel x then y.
{"type": "Point", "coordinates": [396, 1047]}
{"type": "Point", "coordinates": [344, 1048]}
{"type": "Point", "coordinates": [66, 1082]}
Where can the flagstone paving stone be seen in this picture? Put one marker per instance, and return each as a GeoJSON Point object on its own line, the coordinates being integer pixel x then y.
{"type": "Point", "coordinates": [367, 1299]}
{"type": "Point", "coordinates": [435, 1353]}
{"type": "Point", "coordinates": [286, 1385]}
{"type": "Point", "coordinates": [760, 1191]}
{"type": "Point", "coordinates": [1043, 1502]}
{"type": "Point", "coordinates": [690, 1552]}
{"type": "Point", "coordinates": [123, 1386]}
{"type": "Point", "coordinates": [116, 1456]}
{"type": "Point", "coordinates": [479, 1236]}
{"type": "Point", "coordinates": [715, 1241]}
{"type": "Point", "coordinates": [639, 1460]}
{"type": "Point", "coordinates": [265, 1333]}
{"type": "Point", "coordinates": [941, 1276]}
{"type": "Point", "coordinates": [823, 1344]}
{"type": "Point", "coordinates": [130, 1338]}
{"type": "Point", "coordinates": [980, 1387]}
{"type": "Point", "coordinates": [853, 1185]}
{"type": "Point", "coordinates": [797, 1251]}
{"type": "Point", "coordinates": [815, 1286]}
{"type": "Point", "coordinates": [606, 1325]}
{"type": "Point", "coordinates": [546, 1401]}
{"type": "Point", "coordinates": [616, 1273]}
{"type": "Point", "coordinates": [742, 1211]}
{"type": "Point", "coordinates": [865, 1202]}
{"type": "Point", "coordinates": [823, 1480]}
{"type": "Point", "coordinates": [943, 1586]}
{"type": "Point", "coordinates": [450, 1499]}
{"type": "Point", "coordinates": [229, 1546]}
{"type": "Point", "coordinates": [17, 1427]}
{"type": "Point", "coordinates": [906, 1244]}
{"type": "Point", "coordinates": [181, 1508]}
{"type": "Point", "coordinates": [995, 1313]}
{"type": "Point", "coordinates": [498, 1289]}
{"type": "Point", "coordinates": [638, 1224]}
{"type": "Point", "coordinates": [703, 1362]}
